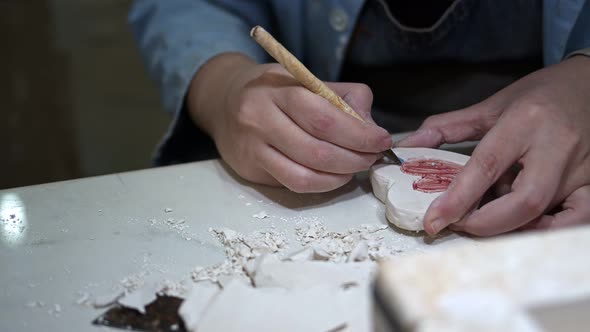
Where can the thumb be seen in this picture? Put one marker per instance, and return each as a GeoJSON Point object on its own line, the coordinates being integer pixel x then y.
{"type": "Point", "coordinates": [452, 127]}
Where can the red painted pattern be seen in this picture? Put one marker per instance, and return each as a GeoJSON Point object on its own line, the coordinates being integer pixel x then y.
{"type": "Point", "coordinates": [435, 175]}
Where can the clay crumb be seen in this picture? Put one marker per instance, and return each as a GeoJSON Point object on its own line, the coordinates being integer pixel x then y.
{"type": "Point", "coordinates": [55, 310]}
{"type": "Point", "coordinates": [173, 288]}
{"type": "Point", "coordinates": [353, 245]}
{"type": "Point", "coordinates": [260, 215]}
{"type": "Point", "coordinates": [105, 301]}
{"type": "Point", "coordinates": [239, 249]}
{"type": "Point", "coordinates": [338, 328]}
{"type": "Point", "coordinates": [83, 299]}
{"type": "Point", "coordinates": [35, 304]}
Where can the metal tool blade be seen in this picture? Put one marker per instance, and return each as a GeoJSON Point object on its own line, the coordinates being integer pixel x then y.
{"type": "Point", "coordinates": [392, 157]}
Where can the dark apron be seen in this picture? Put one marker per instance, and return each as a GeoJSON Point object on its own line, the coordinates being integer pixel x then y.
{"type": "Point", "coordinates": [415, 85]}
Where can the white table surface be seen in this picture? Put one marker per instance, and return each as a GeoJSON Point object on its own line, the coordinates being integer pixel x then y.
{"type": "Point", "coordinates": [59, 240]}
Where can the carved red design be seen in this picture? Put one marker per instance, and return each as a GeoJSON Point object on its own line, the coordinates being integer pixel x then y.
{"type": "Point", "coordinates": [435, 175]}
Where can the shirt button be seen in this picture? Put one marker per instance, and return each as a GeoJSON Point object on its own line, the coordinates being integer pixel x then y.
{"type": "Point", "coordinates": [338, 19]}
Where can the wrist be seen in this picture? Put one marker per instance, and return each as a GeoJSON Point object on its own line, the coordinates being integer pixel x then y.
{"type": "Point", "coordinates": [579, 67]}
{"type": "Point", "coordinates": [580, 62]}
{"type": "Point", "coordinates": [582, 52]}
{"type": "Point", "coordinates": [210, 88]}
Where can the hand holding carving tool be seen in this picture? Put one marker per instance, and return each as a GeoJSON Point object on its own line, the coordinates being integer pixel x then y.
{"type": "Point", "coordinates": [306, 78]}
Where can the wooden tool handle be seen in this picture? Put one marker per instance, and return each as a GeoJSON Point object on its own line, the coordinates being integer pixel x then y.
{"type": "Point", "coordinates": [299, 71]}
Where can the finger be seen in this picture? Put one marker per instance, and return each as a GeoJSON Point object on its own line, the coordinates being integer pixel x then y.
{"type": "Point", "coordinates": [299, 146]}
{"type": "Point", "coordinates": [460, 224]}
{"type": "Point", "coordinates": [468, 124]}
{"type": "Point", "coordinates": [255, 174]}
{"type": "Point", "coordinates": [357, 95]}
{"type": "Point", "coordinates": [490, 159]}
{"type": "Point", "coordinates": [531, 197]}
{"type": "Point", "coordinates": [503, 185]}
{"type": "Point", "coordinates": [322, 120]}
{"type": "Point", "coordinates": [299, 178]}
{"type": "Point", "coordinates": [576, 211]}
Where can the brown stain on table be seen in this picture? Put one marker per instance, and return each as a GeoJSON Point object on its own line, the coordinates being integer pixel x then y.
{"type": "Point", "coordinates": [161, 315]}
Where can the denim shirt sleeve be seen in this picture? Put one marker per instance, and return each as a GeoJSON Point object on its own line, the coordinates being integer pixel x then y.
{"type": "Point", "coordinates": [579, 38]}
{"type": "Point", "coordinates": [176, 37]}
{"type": "Point", "coordinates": [566, 26]}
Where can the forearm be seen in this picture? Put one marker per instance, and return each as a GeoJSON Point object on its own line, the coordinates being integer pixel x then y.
{"type": "Point", "coordinates": [208, 92]}
{"type": "Point", "coordinates": [177, 37]}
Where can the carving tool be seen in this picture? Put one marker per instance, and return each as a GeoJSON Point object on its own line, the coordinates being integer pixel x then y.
{"type": "Point", "coordinates": [306, 78]}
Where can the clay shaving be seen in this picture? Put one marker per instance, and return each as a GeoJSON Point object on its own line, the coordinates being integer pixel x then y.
{"type": "Point", "coordinates": [365, 242]}
{"type": "Point", "coordinates": [239, 249]}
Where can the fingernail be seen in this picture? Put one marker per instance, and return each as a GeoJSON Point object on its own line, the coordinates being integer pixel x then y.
{"type": "Point", "coordinates": [437, 225]}
{"type": "Point", "coordinates": [386, 143]}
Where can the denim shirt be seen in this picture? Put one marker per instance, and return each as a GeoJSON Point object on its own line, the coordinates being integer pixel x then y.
{"type": "Point", "coordinates": [176, 37]}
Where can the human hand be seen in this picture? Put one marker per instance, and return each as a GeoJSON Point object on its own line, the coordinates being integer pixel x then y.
{"type": "Point", "coordinates": [273, 131]}
{"type": "Point", "coordinates": [540, 126]}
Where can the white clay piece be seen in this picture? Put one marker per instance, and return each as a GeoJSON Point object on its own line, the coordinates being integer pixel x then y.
{"type": "Point", "coordinates": [196, 303]}
{"type": "Point", "coordinates": [138, 299]}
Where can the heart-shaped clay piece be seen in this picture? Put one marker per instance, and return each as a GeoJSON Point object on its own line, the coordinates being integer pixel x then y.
{"type": "Point", "coordinates": [407, 191]}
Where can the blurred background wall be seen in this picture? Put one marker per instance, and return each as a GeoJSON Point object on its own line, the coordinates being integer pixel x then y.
{"type": "Point", "coordinates": [75, 100]}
